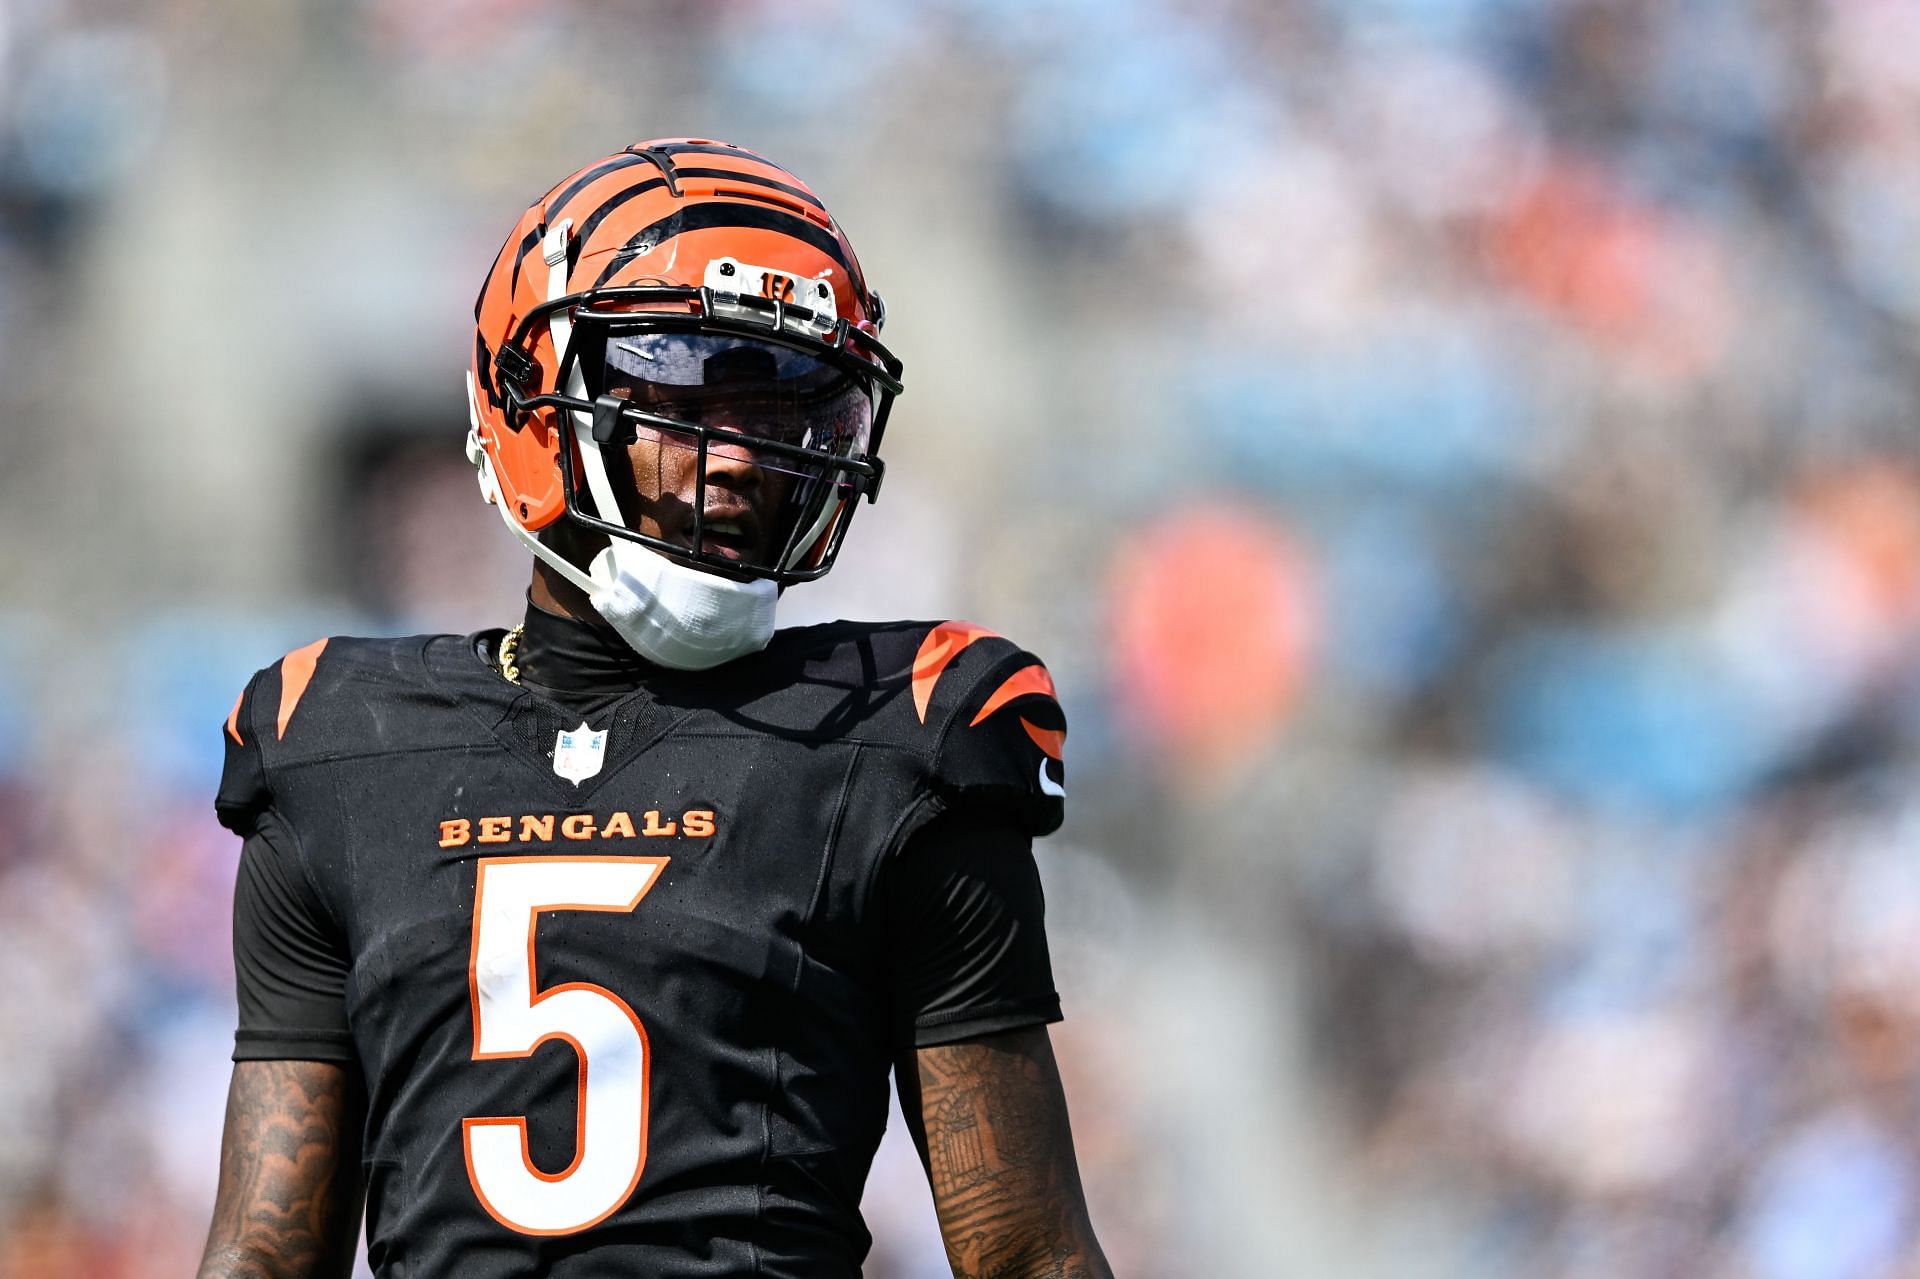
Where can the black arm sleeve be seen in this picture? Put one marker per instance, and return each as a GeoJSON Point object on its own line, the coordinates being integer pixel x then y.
{"type": "Point", "coordinates": [964, 932]}
{"type": "Point", "coordinates": [290, 964]}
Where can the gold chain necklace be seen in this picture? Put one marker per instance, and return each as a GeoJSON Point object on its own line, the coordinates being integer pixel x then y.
{"type": "Point", "coordinates": [510, 649]}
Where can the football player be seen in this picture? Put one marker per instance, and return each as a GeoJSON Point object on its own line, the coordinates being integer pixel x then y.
{"type": "Point", "coordinates": [585, 947]}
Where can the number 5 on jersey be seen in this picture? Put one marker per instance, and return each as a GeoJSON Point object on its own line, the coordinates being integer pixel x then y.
{"type": "Point", "coordinates": [510, 1020]}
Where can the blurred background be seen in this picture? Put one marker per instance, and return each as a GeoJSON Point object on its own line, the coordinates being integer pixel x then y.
{"type": "Point", "coordinates": [1460, 458]}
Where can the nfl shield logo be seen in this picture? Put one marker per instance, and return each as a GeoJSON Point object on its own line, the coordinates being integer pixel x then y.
{"type": "Point", "coordinates": [577, 753]}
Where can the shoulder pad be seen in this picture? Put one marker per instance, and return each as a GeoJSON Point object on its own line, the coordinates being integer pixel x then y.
{"type": "Point", "coordinates": [999, 728]}
{"type": "Point", "coordinates": [261, 714]}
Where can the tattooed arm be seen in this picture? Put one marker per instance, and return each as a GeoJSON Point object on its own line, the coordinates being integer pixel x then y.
{"type": "Point", "coordinates": [289, 1200]}
{"type": "Point", "coordinates": [993, 1123]}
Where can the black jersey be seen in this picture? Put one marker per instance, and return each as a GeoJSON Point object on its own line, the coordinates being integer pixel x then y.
{"type": "Point", "coordinates": [625, 992]}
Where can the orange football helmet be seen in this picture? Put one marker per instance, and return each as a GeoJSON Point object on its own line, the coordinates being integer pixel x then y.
{"type": "Point", "coordinates": [694, 293]}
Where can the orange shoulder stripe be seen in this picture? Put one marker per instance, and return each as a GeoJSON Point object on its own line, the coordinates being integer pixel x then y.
{"type": "Point", "coordinates": [233, 718]}
{"type": "Point", "coordinates": [937, 651]}
{"type": "Point", "coordinates": [1050, 741]}
{"type": "Point", "coordinates": [296, 672]}
{"type": "Point", "coordinates": [1025, 682]}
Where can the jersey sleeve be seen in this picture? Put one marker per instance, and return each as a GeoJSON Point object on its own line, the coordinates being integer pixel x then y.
{"type": "Point", "coordinates": [1000, 755]}
{"type": "Point", "coordinates": [964, 932]}
{"type": "Point", "coordinates": [289, 955]}
{"type": "Point", "coordinates": [290, 961]}
{"type": "Point", "coordinates": [244, 794]}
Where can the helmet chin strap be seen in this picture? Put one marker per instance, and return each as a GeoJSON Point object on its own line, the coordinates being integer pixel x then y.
{"type": "Point", "coordinates": [490, 490]}
{"type": "Point", "coordinates": [554, 250]}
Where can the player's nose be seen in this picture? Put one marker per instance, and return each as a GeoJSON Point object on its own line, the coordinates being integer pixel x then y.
{"type": "Point", "coordinates": [732, 463]}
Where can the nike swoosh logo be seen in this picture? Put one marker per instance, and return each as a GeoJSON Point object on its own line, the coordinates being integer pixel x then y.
{"type": "Point", "coordinates": [1048, 786]}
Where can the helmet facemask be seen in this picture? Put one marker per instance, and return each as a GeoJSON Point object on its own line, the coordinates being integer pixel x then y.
{"type": "Point", "coordinates": [758, 425]}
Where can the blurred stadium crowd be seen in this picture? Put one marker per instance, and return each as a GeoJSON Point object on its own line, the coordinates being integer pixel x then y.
{"type": "Point", "coordinates": [1461, 459]}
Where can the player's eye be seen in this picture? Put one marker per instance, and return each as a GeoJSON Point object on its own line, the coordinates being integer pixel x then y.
{"type": "Point", "coordinates": [750, 388]}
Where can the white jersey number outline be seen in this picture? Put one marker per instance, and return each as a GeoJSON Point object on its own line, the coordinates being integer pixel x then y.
{"type": "Point", "coordinates": [511, 1020]}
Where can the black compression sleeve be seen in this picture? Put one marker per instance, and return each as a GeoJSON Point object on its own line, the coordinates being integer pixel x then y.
{"type": "Point", "coordinates": [290, 964]}
{"type": "Point", "coordinates": [965, 932]}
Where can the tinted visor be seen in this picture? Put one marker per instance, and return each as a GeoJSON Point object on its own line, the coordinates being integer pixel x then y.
{"type": "Point", "coordinates": [789, 415]}
{"type": "Point", "coordinates": [751, 388]}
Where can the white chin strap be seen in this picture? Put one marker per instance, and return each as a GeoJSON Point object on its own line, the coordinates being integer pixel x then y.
{"type": "Point", "coordinates": [669, 613]}
{"type": "Point", "coordinates": [679, 616]}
